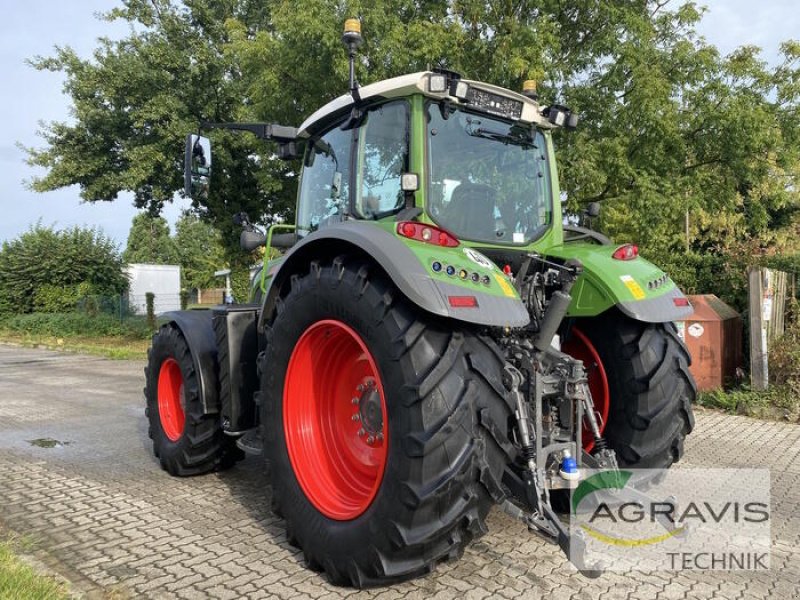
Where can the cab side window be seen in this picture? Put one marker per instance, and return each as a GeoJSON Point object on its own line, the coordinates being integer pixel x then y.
{"type": "Point", "coordinates": [382, 159]}
{"type": "Point", "coordinates": [324, 186]}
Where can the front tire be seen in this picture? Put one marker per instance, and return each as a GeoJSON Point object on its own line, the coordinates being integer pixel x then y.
{"type": "Point", "coordinates": [650, 389]}
{"type": "Point", "coordinates": [186, 441]}
{"type": "Point", "coordinates": [390, 510]}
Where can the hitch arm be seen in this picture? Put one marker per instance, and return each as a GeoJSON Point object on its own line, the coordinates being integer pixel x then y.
{"type": "Point", "coordinates": [543, 519]}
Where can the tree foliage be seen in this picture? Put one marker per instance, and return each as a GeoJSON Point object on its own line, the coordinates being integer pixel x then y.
{"type": "Point", "coordinates": [149, 241]}
{"type": "Point", "coordinates": [50, 269]}
{"type": "Point", "coordinates": [200, 252]}
{"type": "Point", "coordinates": [670, 126]}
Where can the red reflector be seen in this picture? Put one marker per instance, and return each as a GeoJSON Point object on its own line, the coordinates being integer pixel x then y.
{"type": "Point", "coordinates": [463, 301]}
{"type": "Point", "coordinates": [507, 269]}
{"type": "Point", "coordinates": [626, 252]}
{"type": "Point", "coordinates": [681, 301]}
{"type": "Point", "coordinates": [427, 233]}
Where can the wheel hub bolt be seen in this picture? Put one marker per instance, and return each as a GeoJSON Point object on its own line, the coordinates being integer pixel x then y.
{"type": "Point", "coordinates": [380, 437]}
{"type": "Point", "coordinates": [354, 400]}
{"type": "Point", "coordinates": [360, 387]}
{"type": "Point", "coordinates": [370, 440]}
{"type": "Point", "coordinates": [356, 417]}
{"type": "Point", "coordinates": [361, 432]}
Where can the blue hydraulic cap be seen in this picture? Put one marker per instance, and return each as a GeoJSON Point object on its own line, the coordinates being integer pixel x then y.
{"type": "Point", "coordinates": [569, 467]}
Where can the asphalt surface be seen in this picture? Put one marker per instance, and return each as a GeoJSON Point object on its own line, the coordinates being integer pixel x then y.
{"type": "Point", "coordinates": [99, 510]}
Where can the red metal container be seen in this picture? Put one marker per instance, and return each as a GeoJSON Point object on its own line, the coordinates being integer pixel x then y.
{"type": "Point", "coordinates": [713, 335]}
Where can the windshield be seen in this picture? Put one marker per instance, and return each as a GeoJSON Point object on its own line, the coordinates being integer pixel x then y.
{"type": "Point", "coordinates": [488, 178]}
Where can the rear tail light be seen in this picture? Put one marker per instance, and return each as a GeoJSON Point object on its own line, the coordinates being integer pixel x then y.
{"type": "Point", "coordinates": [427, 233]}
{"type": "Point", "coordinates": [626, 252]}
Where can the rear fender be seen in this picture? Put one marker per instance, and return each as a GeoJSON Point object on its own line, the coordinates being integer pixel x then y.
{"type": "Point", "coordinates": [638, 288]}
{"type": "Point", "coordinates": [408, 264]}
{"type": "Point", "coordinates": [198, 331]}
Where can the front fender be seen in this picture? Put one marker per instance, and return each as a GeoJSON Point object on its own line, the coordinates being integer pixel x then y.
{"type": "Point", "coordinates": [636, 287]}
{"type": "Point", "coordinates": [197, 328]}
{"type": "Point", "coordinates": [409, 265]}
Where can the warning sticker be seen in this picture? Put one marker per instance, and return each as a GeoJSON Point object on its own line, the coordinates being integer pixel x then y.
{"type": "Point", "coordinates": [634, 287]}
{"type": "Point", "coordinates": [478, 258]}
{"type": "Point", "coordinates": [695, 330]}
{"type": "Point", "coordinates": [505, 285]}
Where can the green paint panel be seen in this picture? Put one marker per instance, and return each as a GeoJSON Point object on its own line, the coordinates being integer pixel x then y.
{"type": "Point", "coordinates": [607, 281]}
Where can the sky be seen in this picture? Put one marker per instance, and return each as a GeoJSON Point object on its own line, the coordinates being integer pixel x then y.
{"type": "Point", "coordinates": [34, 27]}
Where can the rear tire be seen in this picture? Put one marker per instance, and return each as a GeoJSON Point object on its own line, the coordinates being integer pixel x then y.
{"type": "Point", "coordinates": [185, 440]}
{"type": "Point", "coordinates": [445, 424]}
{"type": "Point", "coordinates": [650, 387]}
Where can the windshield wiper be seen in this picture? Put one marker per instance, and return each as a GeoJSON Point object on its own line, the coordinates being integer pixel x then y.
{"type": "Point", "coordinates": [515, 138]}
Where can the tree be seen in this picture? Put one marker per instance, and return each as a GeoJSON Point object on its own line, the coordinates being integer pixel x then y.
{"type": "Point", "coordinates": [138, 98]}
{"type": "Point", "coordinates": [200, 251]}
{"type": "Point", "coordinates": [669, 125]}
{"type": "Point", "coordinates": [149, 241]}
{"type": "Point", "coordinates": [52, 268]}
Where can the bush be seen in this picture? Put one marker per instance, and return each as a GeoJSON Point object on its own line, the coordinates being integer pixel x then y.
{"type": "Point", "coordinates": [71, 324]}
{"type": "Point", "coordinates": [45, 269]}
{"type": "Point", "coordinates": [67, 298]}
{"type": "Point", "coordinates": [700, 273]}
{"type": "Point", "coordinates": [55, 298]}
{"type": "Point", "coordinates": [784, 356]}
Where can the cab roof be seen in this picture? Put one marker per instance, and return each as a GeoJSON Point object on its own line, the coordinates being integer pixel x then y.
{"type": "Point", "coordinates": [406, 85]}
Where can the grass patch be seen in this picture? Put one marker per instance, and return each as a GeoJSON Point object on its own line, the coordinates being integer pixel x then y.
{"type": "Point", "coordinates": [19, 580]}
{"type": "Point", "coordinates": [779, 402]}
{"type": "Point", "coordinates": [100, 334]}
{"type": "Point", "coordinates": [77, 324]}
{"type": "Point", "coordinates": [118, 348]}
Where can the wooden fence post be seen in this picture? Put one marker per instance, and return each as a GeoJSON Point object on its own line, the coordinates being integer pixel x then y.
{"type": "Point", "coordinates": [759, 374]}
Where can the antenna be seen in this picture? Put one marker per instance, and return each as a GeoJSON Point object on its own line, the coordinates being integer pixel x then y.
{"type": "Point", "coordinates": [351, 38]}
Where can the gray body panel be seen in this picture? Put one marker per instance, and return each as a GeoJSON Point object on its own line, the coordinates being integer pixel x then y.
{"type": "Point", "coordinates": [657, 310]}
{"type": "Point", "coordinates": [405, 271]}
{"type": "Point", "coordinates": [198, 329]}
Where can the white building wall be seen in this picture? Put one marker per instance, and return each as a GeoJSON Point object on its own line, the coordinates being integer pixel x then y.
{"type": "Point", "coordinates": [163, 280]}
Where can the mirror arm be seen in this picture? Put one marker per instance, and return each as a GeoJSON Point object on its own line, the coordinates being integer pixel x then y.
{"type": "Point", "coordinates": [264, 131]}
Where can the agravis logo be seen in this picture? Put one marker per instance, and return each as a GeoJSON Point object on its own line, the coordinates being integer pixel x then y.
{"type": "Point", "coordinates": [655, 519]}
{"type": "Point", "coordinates": [617, 480]}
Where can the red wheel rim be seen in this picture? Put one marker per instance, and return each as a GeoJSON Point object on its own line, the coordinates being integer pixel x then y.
{"type": "Point", "coordinates": [334, 419]}
{"type": "Point", "coordinates": [171, 401]}
{"type": "Point", "coordinates": [579, 346]}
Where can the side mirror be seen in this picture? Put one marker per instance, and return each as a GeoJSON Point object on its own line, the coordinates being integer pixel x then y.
{"type": "Point", "coordinates": [197, 167]}
{"type": "Point", "coordinates": [593, 209]}
{"type": "Point", "coordinates": [249, 240]}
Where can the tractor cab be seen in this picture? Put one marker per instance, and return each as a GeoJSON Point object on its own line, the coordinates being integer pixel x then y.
{"type": "Point", "coordinates": [474, 159]}
{"type": "Point", "coordinates": [471, 158]}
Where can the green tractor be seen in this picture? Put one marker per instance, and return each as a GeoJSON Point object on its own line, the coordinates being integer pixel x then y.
{"type": "Point", "coordinates": [434, 339]}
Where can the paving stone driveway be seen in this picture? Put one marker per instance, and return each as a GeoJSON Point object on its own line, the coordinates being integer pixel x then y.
{"type": "Point", "coordinates": [103, 513]}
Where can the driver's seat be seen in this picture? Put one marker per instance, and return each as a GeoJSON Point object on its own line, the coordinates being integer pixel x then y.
{"type": "Point", "coordinates": [470, 213]}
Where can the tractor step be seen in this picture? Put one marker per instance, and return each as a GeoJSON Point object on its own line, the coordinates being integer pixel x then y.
{"type": "Point", "coordinates": [251, 442]}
